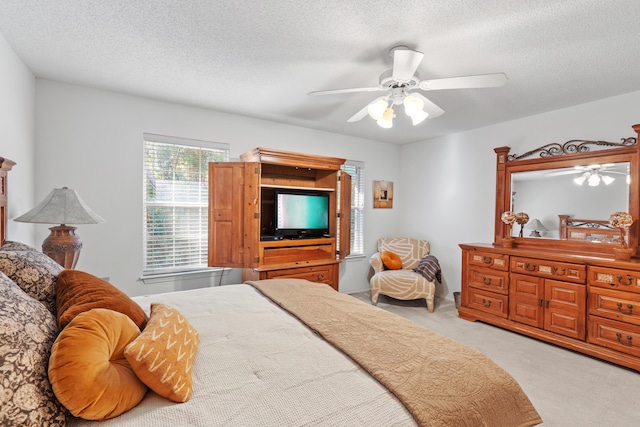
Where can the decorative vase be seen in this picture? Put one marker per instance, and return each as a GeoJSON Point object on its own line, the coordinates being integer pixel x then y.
{"type": "Point", "coordinates": [508, 242]}
{"type": "Point", "coordinates": [622, 254]}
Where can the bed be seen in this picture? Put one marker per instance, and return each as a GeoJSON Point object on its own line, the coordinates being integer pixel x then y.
{"type": "Point", "coordinates": [279, 352]}
{"type": "Point", "coordinates": [590, 230]}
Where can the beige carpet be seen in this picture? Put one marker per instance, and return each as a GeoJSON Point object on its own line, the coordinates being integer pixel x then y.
{"type": "Point", "coordinates": [567, 388]}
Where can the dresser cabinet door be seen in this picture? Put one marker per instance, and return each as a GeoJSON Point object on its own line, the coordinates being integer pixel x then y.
{"type": "Point", "coordinates": [526, 299]}
{"type": "Point", "coordinates": [565, 308]}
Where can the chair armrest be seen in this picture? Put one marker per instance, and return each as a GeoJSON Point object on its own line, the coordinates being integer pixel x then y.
{"type": "Point", "coordinates": [376, 262]}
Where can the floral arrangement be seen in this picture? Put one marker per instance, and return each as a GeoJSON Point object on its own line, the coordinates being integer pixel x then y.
{"type": "Point", "coordinates": [622, 221]}
{"type": "Point", "coordinates": [522, 218]}
{"type": "Point", "coordinates": [508, 218]}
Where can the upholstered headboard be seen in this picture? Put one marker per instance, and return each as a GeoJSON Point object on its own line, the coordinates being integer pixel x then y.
{"type": "Point", "coordinates": [5, 166]}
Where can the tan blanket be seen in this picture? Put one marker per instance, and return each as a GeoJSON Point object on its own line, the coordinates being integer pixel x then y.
{"type": "Point", "coordinates": [441, 381]}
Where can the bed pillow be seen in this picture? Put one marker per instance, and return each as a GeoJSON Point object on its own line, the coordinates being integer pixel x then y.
{"type": "Point", "coordinates": [87, 369]}
{"type": "Point", "coordinates": [27, 332]}
{"type": "Point", "coordinates": [163, 353]}
{"type": "Point", "coordinates": [10, 245]}
{"type": "Point", "coordinates": [390, 260]}
{"type": "Point", "coordinates": [34, 272]}
{"type": "Point", "coordinates": [79, 292]}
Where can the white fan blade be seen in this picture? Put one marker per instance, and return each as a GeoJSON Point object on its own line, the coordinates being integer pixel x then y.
{"type": "Point", "coordinates": [567, 172]}
{"type": "Point", "coordinates": [362, 113]}
{"type": "Point", "coordinates": [466, 82]}
{"type": "Point", "coordinates": [405, 64]}
{"type": "Point", "coordinates": [429, 107]}
{"type": "Point", "coordinates": [355, 89]}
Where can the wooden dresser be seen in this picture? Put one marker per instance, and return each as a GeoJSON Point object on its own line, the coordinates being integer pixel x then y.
{"type": "Point", "coordinates": [589, 304]}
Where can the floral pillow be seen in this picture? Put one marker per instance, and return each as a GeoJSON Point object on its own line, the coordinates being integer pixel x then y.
{"type": "Point", "coordinates": [27, 332]}
{"type": "Point", "coordinates": [34, 272]}
{"type": "Point", "coordinates": [10, 245]}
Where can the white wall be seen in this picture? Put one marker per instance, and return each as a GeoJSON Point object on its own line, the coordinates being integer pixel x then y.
{"type": "Point", "coordinates": [449, 182]}
{"type": "Point", "coordinates": [17, 89]}
{"type": "Point", "coordinates": [91, 140]}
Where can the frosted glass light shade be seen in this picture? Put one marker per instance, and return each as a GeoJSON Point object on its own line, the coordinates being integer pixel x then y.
{"type": "Point", "coordinates": [61, 206]}
{"type": "Point", "coordinates": [376, 109]}
{"type": "Point", "coordinates": [418, 117]}
{"type": "Point", "coordinates": [387, 119]}
{"type": "Point", "coordinates": [412, 104]}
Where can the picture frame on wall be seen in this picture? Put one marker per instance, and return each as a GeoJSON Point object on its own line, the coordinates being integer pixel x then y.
{"type": "Point", "coordinates": [383, 194]}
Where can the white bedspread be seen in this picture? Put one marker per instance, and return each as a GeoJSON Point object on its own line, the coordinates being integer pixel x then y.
{"type": "Point", "coordinates": [259, 366]}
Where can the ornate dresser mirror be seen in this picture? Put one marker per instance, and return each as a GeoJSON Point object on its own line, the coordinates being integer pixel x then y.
{"type": "Point", "coordinates": [569, 191]}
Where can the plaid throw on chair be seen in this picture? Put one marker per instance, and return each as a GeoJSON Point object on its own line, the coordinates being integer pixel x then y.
{"type": "Point", "coordinates": [429, 268]}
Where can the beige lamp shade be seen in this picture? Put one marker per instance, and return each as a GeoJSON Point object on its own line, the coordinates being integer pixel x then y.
{"type": "Point", "coordinates": [62, 206]}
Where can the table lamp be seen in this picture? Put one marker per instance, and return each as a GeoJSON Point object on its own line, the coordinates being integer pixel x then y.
{"type": "Point", "coordinates": [536, 227]}
{"type": "Point", "coordinates": [62, 206]}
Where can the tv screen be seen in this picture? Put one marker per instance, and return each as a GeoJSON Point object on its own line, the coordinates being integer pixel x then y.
{"type": "Point", "coordinates": [301, 214]}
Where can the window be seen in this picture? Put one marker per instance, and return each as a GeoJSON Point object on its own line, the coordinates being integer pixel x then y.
{"type": "Point", "coordinates": [176, 202]}
{"type": "Point", "coordinates": [356, 170]}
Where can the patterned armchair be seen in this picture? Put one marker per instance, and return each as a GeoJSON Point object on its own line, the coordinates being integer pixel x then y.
{"type": "Point", "coordinates": [405, 283]}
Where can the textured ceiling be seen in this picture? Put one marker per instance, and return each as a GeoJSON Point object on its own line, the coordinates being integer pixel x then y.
{"type": "Point", "coordinates": [261, 58]}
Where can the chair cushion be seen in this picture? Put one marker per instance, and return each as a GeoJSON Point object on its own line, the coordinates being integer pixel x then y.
{"type": "Point", "coordinates": [390, 260]}
{"type": "Point", "coordinates": [79, 292]}
{"type": "Point", "coordinates": [87, 369]}
{"type": "Point", "coordinates": [163, 354]}
{"type": "Point", "coordinates": [27, 332]}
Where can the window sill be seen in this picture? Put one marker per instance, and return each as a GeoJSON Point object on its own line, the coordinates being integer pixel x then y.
{"type": "Point", "coordinates": [150, 279]}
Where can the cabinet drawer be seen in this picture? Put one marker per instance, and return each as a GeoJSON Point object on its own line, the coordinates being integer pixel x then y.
{"type": "Point", "coordinates": [566, 272]}
{"type": "Point", "coordinates": [616, 305]}
{"type": "Point", "coordinates": [610, 278]}
{"type": "Point", "coordinates": [615, 335]}
{"type": "Point", "coordinates": [489, 302]}
{"type": "Point", "coordinates": [489, 260]}
{"type": "Point", "coordinates": [319, 274]}
{"type": "Point", "coordinates": [489, 280]}
{"type": "Point", "coordinates": [288, 254]}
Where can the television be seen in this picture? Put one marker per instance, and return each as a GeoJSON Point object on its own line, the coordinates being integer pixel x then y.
{"type": "Point", "coordinates": [301, 214]}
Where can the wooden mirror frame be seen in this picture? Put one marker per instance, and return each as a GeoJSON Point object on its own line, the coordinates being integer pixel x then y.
{"type": "Point", "coordinates": [569, 154]}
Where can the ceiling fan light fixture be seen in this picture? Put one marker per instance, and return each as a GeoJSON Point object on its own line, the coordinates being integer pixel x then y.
{"type": "Point", "coordinates": [607, 179]}
{"type": "Point", "coordinates": [582, 178]}
{"type": "Point", "coordinates": [594, 180]}
{"type": "Point", "coordinates": [386, 121]}
{"type": "Point", "coordinates": [418, 117]}
{"type": "Point", "coordinates": [412, 105]}
{"type": "Point", "coordinates": [377, 109]}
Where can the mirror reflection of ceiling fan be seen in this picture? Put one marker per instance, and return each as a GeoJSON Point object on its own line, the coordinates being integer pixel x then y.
{"type": "Point", "coordinates": [402, 84]}
{"type": "Point", "coordinates": [592, 174]}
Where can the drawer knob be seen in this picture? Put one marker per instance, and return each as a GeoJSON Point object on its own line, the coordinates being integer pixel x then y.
{"type": "Point", "coordinates": [627, 342]}
{"type": "Point", "coordinates": [557, 271]}
{"type": "Point", "coordinates": [628, 310]}
{"type": "Point", "coordinates": [530, 266]}
{"type": "Point", "coordinates": [486, 280]}
{"type": "Point", "coordinates": [487, 259]}
{"type": "Point", "coordinates": [320, 276]}
{"type": "Point", "coordinates": [486, 303]}
{"type": "Point", "coordinates": [627, 282]}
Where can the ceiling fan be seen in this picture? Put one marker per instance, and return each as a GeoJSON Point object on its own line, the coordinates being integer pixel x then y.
{"type": "Point", "coordinates": [402, 84]}
{"type": "Point", "coordinates": [592, 174]}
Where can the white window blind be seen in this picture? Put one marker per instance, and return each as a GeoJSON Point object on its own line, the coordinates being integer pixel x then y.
{"type": "Point", "coordinates": [356, 170]}
{"type": "Point", "coordinates": [176, 202]}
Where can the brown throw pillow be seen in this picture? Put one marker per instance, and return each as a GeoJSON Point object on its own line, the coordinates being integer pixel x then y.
{"type": "Point", "coordinates": [390, 260]}
{"type": "Point", "coordinates": [87, 369]}
{"type": "Point", "coordinates": [79, 292]}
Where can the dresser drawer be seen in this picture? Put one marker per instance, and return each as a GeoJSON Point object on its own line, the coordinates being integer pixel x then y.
{"type": "Point", "coordinates": [319, 274]}
{"type": "Point", "coordinates": [616, 305]}
{"type": "Point", "coordinates": [489, 280]}
{"type": "Point", "coordinates": [611, 278]}
{"type": "Point", "coordinates": [615, 335]}
{"type": "Point", "coordinates": [563, 271]}
{"type": "Point", "coordinates": [489, 302]}
{"type": "Point", "coordinates": [489, 260]}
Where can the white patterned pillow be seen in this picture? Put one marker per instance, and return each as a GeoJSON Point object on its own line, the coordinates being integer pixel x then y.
{"type": "Point", "coordinates": [34, 272]}
{"type": "Point", "coordinates": [27, 332]}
